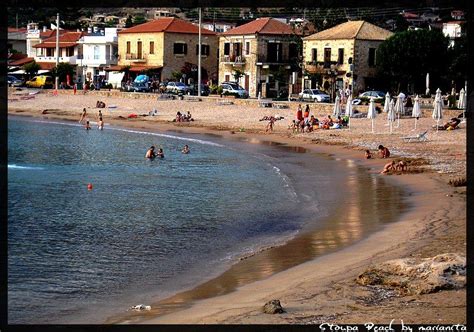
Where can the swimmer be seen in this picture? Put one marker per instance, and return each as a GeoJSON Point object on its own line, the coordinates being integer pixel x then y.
{"type": "Point", "coordinates": [87, 126]}
{"type": "Point", "coordinates": [150, 154]}
{"type": "Point", "coordinates": [100, 125]}
{"type": "Point", "coordinates": [185, 149]}
{"type": "Point", "coordinates": [160, 153]}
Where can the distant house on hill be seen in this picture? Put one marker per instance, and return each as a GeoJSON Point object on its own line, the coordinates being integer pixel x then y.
{"type": "Point", "coordinates": [343, 56]}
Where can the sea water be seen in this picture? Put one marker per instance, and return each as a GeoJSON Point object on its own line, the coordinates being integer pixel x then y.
{"type": "Point", "coordinates": [148, 228]}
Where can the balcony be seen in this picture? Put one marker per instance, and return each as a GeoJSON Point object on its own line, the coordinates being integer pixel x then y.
{"type": "Point", "coordinates": [132, 57]}
{"type": "Point", "coordinates": [320, 67]}
{"type": "Point", "coordinates": [69, 59]}
{"type": "Point", "coordinates": [234, 60]}
{"type": "Point", "coordinates": [273, 60]}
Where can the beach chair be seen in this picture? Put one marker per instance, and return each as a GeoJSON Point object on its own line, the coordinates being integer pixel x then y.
{"type": "Point", "coordinates": [417, 138]}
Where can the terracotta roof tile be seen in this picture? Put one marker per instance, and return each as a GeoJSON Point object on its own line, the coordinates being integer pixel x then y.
{"type": "Point", "coordinates": [66, 39]}
{"type": "Point", "coordinates": [263, 26]}
{"type": "Point", "coordinates": [167, 24]}
{"type": "Point", "coordinates": [20, 30]}
{"type": "Point", "coordinates": [20, 62]}
{"type": "Point", "coordinates": [352, 30]}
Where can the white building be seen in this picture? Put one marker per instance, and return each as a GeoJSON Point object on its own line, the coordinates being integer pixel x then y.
{"type": "Point", "coordinates": [99, 49]}
{"type": "Point", "coordinates": [218, 26]}
{"type": "Point", "coordinates": [452, 30]}
{"type": "Point", "coordinates": [17, 40]}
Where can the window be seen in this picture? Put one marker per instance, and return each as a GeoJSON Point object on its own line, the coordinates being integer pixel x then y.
{"type": "Point", "coordinates": [292, 51]}
{"type": "Point", "coordinates": [226, 48]}
{"type": "Point", "coordinates": [152, 47]}
{"type": "Point", "coordinates": [204, 50]}
{"type": "Point", "coordinates": [247, 48]}
{"type": "Point", "coordinates": [128, 47]}
{"type": "Point", "coordinates": [96, 52]}
{"type": "Point", "coordinates": [371, 57]}
{"type": "Point", "coordinates": [340, 57]}
{"type": "Point", "coordinates": [237, 48]}
{"type": "Point", "coordinates": [327, 57]}
{"type": "Point", "coordinates": [180, 48]}
{"type": "Point", "coordinates": [314, 54]}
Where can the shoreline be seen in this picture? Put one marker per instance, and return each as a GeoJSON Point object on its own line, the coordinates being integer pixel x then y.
{"type": "Point", "coordinates": [243, 305]}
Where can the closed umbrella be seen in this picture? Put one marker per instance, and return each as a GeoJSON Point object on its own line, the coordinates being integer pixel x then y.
{"type": "Point", "coordinates": [461, 99]}
{"type": "Point", "coordinates": [416, 112]}
{"type": "Point", "coordinates": [337, 107]}
{"type": "Point", "coordinates": [386, 107]}
{"type": "Point", "coordinates": [348, 111]}
{"type": "Point", "coordinates": [428, 84]}
{"type": "Point", "coordinates": [438, 108]}
{"type": "Point", "coordinates": [391, 114]}
{"type": "Point", "coordinates": [399, 109]}
{"type": "Point", "coordinates": [372, 112]}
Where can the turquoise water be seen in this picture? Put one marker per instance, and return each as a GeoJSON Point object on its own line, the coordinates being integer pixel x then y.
{"type": "Point", "coordinates": [148, 228]}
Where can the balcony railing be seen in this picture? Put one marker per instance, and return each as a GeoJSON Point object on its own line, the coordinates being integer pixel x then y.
{"type": "Point", "coordinates": [233, 59]}
{"type": "Point", "coordinates": [265, 59]}
{"type": "Point", "coordinates": [135, 58]}
{"type": "Point", "coordinates": [322, 67]}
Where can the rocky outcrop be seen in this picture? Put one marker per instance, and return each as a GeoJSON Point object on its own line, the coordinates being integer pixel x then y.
{"type": "Point", "coordinates": [273, 307]}
{"type": "Point", "coordinates": [418, 275]}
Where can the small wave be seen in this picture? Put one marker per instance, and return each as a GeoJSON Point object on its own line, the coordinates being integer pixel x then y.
{"type": "Point", "coordinates": [13, 166]}
{"type": "Point", "coordinates": [286, 181]}
{"type": "Point", "coordinates": [170, 136]}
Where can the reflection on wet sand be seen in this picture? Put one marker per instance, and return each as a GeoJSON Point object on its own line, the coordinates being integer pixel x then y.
{"type": "Point", "coordinates": [369, 202]}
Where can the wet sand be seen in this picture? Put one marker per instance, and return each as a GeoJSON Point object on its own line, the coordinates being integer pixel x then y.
{"type": "Point", "coordinates": [323, 289]}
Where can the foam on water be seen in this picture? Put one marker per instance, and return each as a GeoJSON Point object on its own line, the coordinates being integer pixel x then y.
{"type": "Point", "coordinates": [13, 166]}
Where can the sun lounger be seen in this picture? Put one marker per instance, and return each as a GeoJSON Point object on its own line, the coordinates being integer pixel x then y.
{"type": "Point", "coordinates": [225, 102]}
{"type": "Point", "coordinates": [279, 106]}
{"type": "Point", "coordinates": [417, 138]}
{"type": "Point", "coordinates": [265, 104]}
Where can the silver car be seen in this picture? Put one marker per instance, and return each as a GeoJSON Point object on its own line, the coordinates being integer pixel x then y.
{"type": "Point", "coordinates": [233, 88]}
{"type": "Point", "coordinates": [314, 95]}
{"type": "Point", "coordinates": [177, 87]}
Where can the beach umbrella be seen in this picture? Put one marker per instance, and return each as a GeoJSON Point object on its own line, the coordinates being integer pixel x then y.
{"type": "Point", "coordinates": [438, 108]}
{"type": "Point", "coordinates": [372, 112]}
{"type": "Point", "coordinates": [386, 106]}
{"type": "Point", "coordinates": [348, 111]}
{"type": "Point", "coordinates": [428, 84]}
{"type": "Point", "coordinates": [391, 116]}
{"type": "Point", "coordinates": [399, 109]}
{"type": "Point", "coordinates": [337, 107]}
{"type": "Point", "coordinates": [416, 112]}
{"type": "Point", "coordinates": [461, 99]}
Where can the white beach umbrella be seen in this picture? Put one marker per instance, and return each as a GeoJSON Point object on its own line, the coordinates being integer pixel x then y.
{"type": "Point", "coordinates": [386, 106]}
{"type": "Point", "coordinates": [438, 108]}
{"type": "Point", "coordinates": [391, 116]}
{"type": "Point", "coordinates": [337, 107]}
{"type": "Point", "coordinates": [349, 111]}
{"type": "Point", "coordinates": [461, 103]}
{"type": "Point", "coordinates": [416, 112]}
{"type": "Point", "coordinates": [372, 112]}
{"type": "Point", "coordinates": [427, 84]}
{"type": "Point", "coordinates": [399, 108]}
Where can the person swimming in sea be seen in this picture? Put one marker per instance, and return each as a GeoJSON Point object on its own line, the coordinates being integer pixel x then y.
{"type": "Point", "coordinates": [160, 153]}
{"type": "Point", "coordinates": [185, 150]}
{"type": "Point", "coordinates": [100, 125]}
{"type": "Point", "coordinates": [150, 154]}
{"type": "Point", "coordinates": [87, 126]}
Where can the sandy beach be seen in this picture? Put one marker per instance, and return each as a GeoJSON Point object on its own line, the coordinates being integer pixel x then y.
{"type": "Point", "coordinates": [324, 289]}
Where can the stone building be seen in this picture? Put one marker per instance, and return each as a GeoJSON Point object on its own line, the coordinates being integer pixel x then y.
{"type": "Point", "coordinates": [264, 52]}
{"type": "Point", "coordinates": [342, 56]}
{"type": "Point", "coordinates": [166, 46]}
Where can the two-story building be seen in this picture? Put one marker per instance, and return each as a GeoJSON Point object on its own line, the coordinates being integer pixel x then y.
{"type": "Point", "coordinates": [69, 50]}
{"type": "Point", "coordinates": [99, 50]}
{"type": "Point", "coordinates": [343, 56]}
{"type": "Point", "coordinates": [263, 51]}
{"type": "Point", "coordinates": [17, 40]}
{"type": "Point", "coordinates": [166, 46]}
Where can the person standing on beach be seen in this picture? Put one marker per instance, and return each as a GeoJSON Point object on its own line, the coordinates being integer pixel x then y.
{"type": "Point", "coordinates": [384, 152]}
{"type": "Point", "coordinates": [83, 116]}
{"type": "Point", "coordinates": [306, 114]}
{"type": "Point", "coordinates": [299, 113]}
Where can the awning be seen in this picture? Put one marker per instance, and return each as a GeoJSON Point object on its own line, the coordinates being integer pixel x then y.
{"type": "Point", "coordinates": [20, 62]}
{"type": "Point", "coordinates": [53, 45]}
{"type": "Point", "coordinates": [135, 69]}
{"type": "Point", "coordinates": [49, 65]}
{"type": "Point", "coordinates": [18, 72]}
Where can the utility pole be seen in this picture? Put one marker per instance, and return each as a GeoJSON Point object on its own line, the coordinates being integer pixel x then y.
{"type": "Point", "coordinates": [199, 56]}
{"type": "Point", "coordinates": [57, 52]}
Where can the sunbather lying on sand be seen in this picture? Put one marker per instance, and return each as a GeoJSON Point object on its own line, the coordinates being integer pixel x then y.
{"type": "Point", "coordinates": [450, 125]}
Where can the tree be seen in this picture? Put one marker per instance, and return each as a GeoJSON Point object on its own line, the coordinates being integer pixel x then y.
{"type": "Point", "coordinates": [31, 68]}
{"type": "Point", "coordinates": [459, 61]}
{"type": "Point", "coordinates": [237, 74]}
{"type": "Point", "coordinates": [138, 20]}
{"type": "Point", "coordinates": [62, 70]}
{"type": "Point", "coordinates": [406, 57]}
{"type": "Point", "coordinates": [128, 22]}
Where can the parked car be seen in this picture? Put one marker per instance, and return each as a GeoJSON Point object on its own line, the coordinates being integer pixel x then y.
{"type": "Point", "coordinates": [178, 88]}
{"type": "Point", "coordinates": [233, 88]}
{"type": "Point", "coordinates": [314, 95]}
{"type": "Point", "coordinates": [205, 91]}
{"type": "Point", "coordinates": [40, 81]}
{"type": "Point", "coordinates": [13, 81]}
{"type": "Point", "coordinates": [140, 87]}
{"type": "Point", "coordinates": [377, 95]}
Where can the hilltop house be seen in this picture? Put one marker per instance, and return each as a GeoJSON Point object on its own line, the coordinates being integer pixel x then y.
{"type": "Point", "coordinates": [165, 47]}
{"type": "Point", "coordinates": [342, 56]}
{"type": "Point", "coordinates": [263, 52]}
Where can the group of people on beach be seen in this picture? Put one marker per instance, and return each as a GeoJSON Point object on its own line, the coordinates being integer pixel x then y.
{"type": "Point", "coordinates": [183, 117]}
{"type": "Point", "coordinates": [384, 153]}
{"type": "Point", "coordinates": [84, 120]}
{"type": "Point", "coordinates": [305, 122]}
{"type": "Point", "coordinates": [151, 154]}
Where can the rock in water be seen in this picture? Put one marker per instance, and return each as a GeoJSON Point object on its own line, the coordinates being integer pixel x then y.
{"type": "Point", "coordinates": [418, 275]}
{"type": "Point", "coordinates": [273, 307]}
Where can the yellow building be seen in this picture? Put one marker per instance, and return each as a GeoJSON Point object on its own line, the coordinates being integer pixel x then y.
{"type": "Point", "coordinates": [167, 45]}
{"type": "Point", "coordinates": [342, 56]}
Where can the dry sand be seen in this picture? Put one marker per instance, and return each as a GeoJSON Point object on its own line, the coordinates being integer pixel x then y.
{"type": "Point", "coordinates": [322, 290]}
